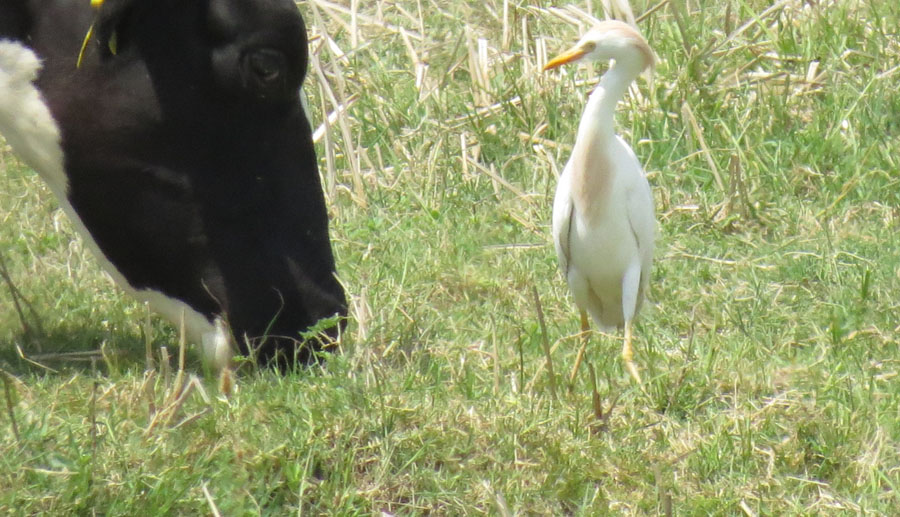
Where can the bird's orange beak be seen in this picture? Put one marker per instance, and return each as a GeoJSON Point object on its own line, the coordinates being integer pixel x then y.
{"type": "Point", "coordinates": [573, 54]}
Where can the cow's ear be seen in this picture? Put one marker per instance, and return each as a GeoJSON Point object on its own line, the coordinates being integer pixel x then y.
{"type": "Point", "coordinates": [111, 24]}
{"type": "Point", "coordinates": [109, 17]}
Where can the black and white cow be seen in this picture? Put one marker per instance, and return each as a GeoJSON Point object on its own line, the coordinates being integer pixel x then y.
{"type": "Point", "coordinates": [181, 152]}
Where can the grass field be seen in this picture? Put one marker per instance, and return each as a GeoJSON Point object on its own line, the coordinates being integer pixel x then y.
{"type": "Point", "coordinates": [769, 350]}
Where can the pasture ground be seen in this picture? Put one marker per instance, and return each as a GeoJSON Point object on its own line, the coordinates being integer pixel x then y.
{"type": "Point", "coordinates": [769, 351]}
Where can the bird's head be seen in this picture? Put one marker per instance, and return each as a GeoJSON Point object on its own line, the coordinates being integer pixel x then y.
{"type": "Point", "coordinates": [610, 39]}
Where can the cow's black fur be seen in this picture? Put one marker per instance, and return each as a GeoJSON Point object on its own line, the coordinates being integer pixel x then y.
{"type": "Point", "coordinates": [188, 155]}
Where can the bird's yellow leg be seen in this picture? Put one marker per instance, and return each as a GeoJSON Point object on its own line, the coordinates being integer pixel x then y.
{"type": "Point", "coordinates": [628, 355]}
{"type": "Point", "coordinates": [585, 335]}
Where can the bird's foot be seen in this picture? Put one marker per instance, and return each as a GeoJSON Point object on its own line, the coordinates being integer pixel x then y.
{"type": "Point", "coordinates": [632, 369]}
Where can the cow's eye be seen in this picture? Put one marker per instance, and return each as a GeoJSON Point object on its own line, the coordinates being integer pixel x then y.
{"type": "Point", "coordinates": [267, 65]}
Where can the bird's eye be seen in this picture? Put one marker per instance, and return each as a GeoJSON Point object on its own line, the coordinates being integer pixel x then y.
{"type": "Point", "coordinates": [267, 64]}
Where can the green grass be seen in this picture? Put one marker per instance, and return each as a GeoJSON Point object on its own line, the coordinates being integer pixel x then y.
{"type": "Point", "coordinates": [769, 350]}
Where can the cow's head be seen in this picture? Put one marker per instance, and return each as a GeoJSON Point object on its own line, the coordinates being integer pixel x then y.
{"type": "Point", "coordinates": [189, 157]}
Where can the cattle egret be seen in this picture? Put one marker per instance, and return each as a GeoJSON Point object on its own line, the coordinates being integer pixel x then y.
{"type": "Point", "coordinates": [603, 218]}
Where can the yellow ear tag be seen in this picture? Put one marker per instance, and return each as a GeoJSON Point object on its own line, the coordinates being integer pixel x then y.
{"type": "Point", "coordinates": [114, 43]}
{"type": "Point", "coordinates": [95, 4]}
{"type": "Point", "coordinates": [84, 44]}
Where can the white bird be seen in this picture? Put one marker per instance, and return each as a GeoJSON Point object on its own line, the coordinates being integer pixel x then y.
{"type": "Point", "coordinates": [603, 217]}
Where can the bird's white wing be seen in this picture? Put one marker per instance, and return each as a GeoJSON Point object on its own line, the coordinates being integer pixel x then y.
{"type": "Point", "coordinates": [642, 220]}
{"type": "Point", "coordinates": [562, 220]}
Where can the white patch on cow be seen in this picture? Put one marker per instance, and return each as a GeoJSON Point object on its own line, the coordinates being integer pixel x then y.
{"type": "Point", "coordinates": [25, 120]}
{"type": "Point", "coordinates": [31, 131]}
{"type": "Point", "coordinates": [214, 339]}
{"type": "Point", "coordinates": [217, 349]}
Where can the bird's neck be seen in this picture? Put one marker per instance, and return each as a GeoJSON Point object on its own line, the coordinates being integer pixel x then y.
{"type": "Point", "coordinates": [593, 167]}
{"type": "Point", "coordinates": [598, 120]}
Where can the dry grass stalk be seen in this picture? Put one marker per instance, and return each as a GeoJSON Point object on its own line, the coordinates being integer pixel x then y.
{"type": "Point", "coordinates": [596, 403]}
{"type": "Point", "coordinates": [478, 70]}
{"type": "Point", "coordinates": [354, 23]}
{"type": "Point", "coordinates": [332, 117]}
{"type": "Point", "coordinates": [83, 355]}
{"type": "Point", "coordinates": [538, 59]}
{"type": "Point", "coordinates": [572, 18]}
{"type": "Point", "coordinates": [413, 55]}
{"type": "Point", "coordinates": [601, 417]}
{"type": "Point", "coordinates": [502, 506]}
{"type": "Point", "coordinates": [147, 330]}
{"type": "Point", "coordinates": [376, 22]}
{"type": "Point", "coordinates": [182, 344]}
{"type": "Point", "coordinates": [92, 411]}
{"type": "Point", "coordinates": [845, 189]}
{"type": "Point", "coordinates": [19, 300]}
{"type": "Point", "coordinates": [746, 509]}
{"type": "Point", "coordinates": [164, 365]}
{"type": "Point", "coordinates": [337, 98]}
{"type": "Point", "coordinates": [108, 354]}
{"type": "Point", "coordinates": [585, 335]}
{"type": "Point", "coordinates": [752, 21]}
{"type": "Point", "coordinates": [227, 383]}
{"type": "Point", "coordinates": [175, 398]}
{"type": "Point", "coordinates": [506, 33]}
{"type": "Point", "coordinates": [655, 8]}
{"type": "Point", "coordinates": [544, 340]}
{"type": "Point", "coordinates": [176, 393]}
{"type": "Point", "coordinates": [330, 168]}
{"type": "Point", "coordinates": [688, 114]}
{"type": "Point", "coordinates": [327, 9]}
{"type": "Point", "coordinates": [212, 504]}
{"type": "Point", "coordinates": [495, 356]}
{"type": "Point", "coordinates": [147, 389]}
{"type": "Point", "coordinates": [620, 10]}
{"type": "Point", "coordinates": [362, 314]}
{"type": "Point", "coordinates": [416, 19]}
{"type": "Point", "coordinates": [491, 173]}
{"type": "Point", "coordinates": [464, 152]}
{"type": "Point", "coordinates": [10, 402]}
{"type": "Point", "coordinates": [192, 418]}
{"type": "Point", "coordinates": [738, 187]}
{"type": "Point", "coordinates": [525, 137]}
{"type": "Point", "coordinates": [482, 112]}
{"type": "Point", "coordinates": [662, 490]}
{"type": "Point", "coordinates": [28, 360]}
